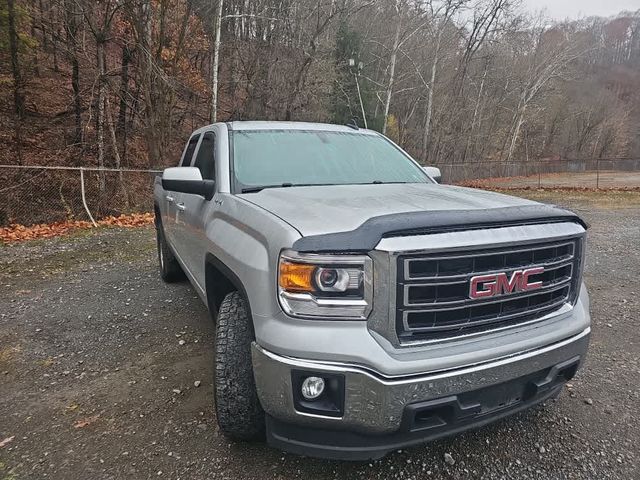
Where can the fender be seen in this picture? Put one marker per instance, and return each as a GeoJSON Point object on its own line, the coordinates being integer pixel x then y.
{"type": "Point", "coordinates": [230, 276]}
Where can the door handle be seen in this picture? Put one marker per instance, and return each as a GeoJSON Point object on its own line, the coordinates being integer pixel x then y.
{"type": "Point", "coordinates": [180, 206]}
{"type": "Point", "coordinates": [169, 199]}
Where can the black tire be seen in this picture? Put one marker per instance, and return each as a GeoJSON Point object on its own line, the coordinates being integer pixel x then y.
{"type": "Point", "coordinates": [240, 415]}
{"type": "Point", "coordinates": [170, 270]}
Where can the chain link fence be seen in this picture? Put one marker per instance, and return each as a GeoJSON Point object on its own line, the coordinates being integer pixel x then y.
{"type": "Point", "coordinates": [38, 194]}
{"type": "Point", "coordinates": [605, 173]}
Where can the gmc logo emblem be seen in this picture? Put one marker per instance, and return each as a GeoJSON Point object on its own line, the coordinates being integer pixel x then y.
{"type": "Point", "coordinates": [500, 284]}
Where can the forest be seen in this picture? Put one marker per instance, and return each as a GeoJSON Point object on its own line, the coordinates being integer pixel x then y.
{"type": "Point", "coordinates": [121, 83]}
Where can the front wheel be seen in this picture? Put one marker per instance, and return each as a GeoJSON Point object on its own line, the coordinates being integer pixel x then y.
{"type": "Point", "coordinates": [240, 415]}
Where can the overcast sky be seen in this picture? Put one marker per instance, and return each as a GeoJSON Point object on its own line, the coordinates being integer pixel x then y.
{"type": "Point", "coordinates": [561, 9]}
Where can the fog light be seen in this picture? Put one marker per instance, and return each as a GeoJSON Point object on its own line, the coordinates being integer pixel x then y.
{"type": "Point", "coordinates": [312, 387]}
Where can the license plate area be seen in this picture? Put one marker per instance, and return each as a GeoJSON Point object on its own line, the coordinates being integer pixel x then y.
{"type": "Point", "coordinates": [472, 406]}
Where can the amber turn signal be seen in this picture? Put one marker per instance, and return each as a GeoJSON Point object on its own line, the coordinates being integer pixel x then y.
{"type": "Point", "coordinates": [296, 277]}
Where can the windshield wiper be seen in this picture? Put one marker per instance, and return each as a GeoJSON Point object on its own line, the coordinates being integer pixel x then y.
{"type": "Point", "coordinates": [282, 185]}
{"type": "Point", "coordinates": [262, 187]}
{"type": "Point", "coordinates": [287, 184]}
{"type": "Point", "coordinates": [380, 182]}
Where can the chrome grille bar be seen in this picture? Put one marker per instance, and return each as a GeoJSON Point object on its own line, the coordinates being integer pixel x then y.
{"type": "Point", "coordinates": [448, 305]}
{"type": "Point", "coordinates": [433, 299]}
{"type": "Point", "coordinates": [474, 257]}
{"type": "Point", "coordinates": [501, 317]}
{"type": "Point", "coordinates": [566, 279]}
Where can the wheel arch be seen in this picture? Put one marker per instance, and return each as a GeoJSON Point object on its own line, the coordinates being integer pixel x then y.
{"type": "Point", "coordinates": [220, 280]}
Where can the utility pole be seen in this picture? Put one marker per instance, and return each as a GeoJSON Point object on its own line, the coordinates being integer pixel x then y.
{"type": "Point", "coordinates": [356, 74]}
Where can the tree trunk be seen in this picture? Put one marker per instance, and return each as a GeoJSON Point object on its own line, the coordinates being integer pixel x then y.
{"type": "Point", "coordinates": [71, 26]}
{"type": "Point", "coordinates": [299, 80]}
{"type": "Point", "coordinates": [116, 154]}
{"type": "Point", "coordinates": [54, 41]}
{"type": "Point", "coordinates": [43, 30]}
{"type": "Point", "coordinates": [392, 73]}
{"type": "Point", "coordinates": [427, 120]}
{"type": "Point", "coordinates": [77, 103]}
{"type": "Point", "coordinates": [153, 129]}
{"type": "Point", "coordinates": [519, 120]}
{"type": "Point", "coordinates": [476, 109]}
{"type": "Point", "coordinates": [100, 108]}
{"type": "Point", "coordinates": [18, 86]}
{"type": "Point", "coordinates": [36, 62]}
{"type": "Point", "coordinates": [124, 86]}
{"type": "Point", "coordinates": [124, 97]}
{"type": "Point", "coordinates": [214, 65]}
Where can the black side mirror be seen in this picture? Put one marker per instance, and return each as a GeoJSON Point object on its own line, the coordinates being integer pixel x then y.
{"type": "Point", "coordinates": [206, 188]}
{"type": "Point", "coordinates": [188, 180]}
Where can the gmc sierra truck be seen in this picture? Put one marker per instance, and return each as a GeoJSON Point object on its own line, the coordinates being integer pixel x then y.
{"type": "Point", "coordinates": [359, 305]}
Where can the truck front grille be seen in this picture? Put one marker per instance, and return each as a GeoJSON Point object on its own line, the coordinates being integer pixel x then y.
{"type": "Point", "coordinates": [433, 298]}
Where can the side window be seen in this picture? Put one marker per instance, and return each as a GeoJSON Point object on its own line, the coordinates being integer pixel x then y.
{"type": "Point", "coordinates": [205, 157]}
{"type": "Point", "coordinates": [188, 153]}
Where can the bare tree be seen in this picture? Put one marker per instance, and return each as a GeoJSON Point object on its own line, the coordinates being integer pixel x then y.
{"type": "Point", "coordinates": [72, 17]}
{"type": "Point", "coordinates": [451, 80]}
{"type": "Point", "coordinates": [552, 51]}
{"type": "Point", "coordinates": [18, 84]}
{"type": "Point", "coordinates": [441, 18]}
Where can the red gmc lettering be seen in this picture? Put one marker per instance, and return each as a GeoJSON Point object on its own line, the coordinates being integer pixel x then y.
{"type": "Point", "coordinates": [508, 286]}
{"type": "Point", "coordinates": [525, 278]}
{"type": "Point", "coordinates": [499, 284]}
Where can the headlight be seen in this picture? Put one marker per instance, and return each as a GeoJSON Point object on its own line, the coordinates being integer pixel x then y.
{"type": "Point", "coordinates": [327, 286]}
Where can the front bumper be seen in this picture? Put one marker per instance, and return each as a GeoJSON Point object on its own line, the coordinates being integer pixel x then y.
{"type": "Point", "coordinates": [384, 413]}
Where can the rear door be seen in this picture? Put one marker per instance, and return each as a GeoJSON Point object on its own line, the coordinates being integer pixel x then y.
{"type": "Point", "coordinates": [173, 201]}
{"type": "Point", "coordinates": [198, 212]}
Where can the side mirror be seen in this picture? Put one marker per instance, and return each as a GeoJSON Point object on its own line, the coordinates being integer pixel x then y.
{"type": "Point", "coordinates": [433, 172]}
{"type": "Point", "coordinates": [187, 180]}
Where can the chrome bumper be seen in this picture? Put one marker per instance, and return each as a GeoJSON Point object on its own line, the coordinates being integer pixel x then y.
{"type": "Point", "coordinates": [375, 404]}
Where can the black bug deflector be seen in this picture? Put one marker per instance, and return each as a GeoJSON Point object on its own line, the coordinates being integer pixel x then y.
{"type": "Point", "coordinates": [367, 235]}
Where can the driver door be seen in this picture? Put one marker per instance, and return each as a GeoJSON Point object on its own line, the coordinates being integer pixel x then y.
{"type": "Point", "coordinates": [196, 211]}
{"type": "Point", "coordinates": [172, 223]}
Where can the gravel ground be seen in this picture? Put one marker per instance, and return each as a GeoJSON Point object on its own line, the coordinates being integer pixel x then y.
{"type": "Point", "coordinates": [99, 362]}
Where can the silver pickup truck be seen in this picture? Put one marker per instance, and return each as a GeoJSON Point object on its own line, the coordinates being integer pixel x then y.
{"type": "Point", "coordinates": [360, 306]}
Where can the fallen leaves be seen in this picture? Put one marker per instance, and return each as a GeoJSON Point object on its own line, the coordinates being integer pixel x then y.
{"type": "Point", "coordinates": [19, 233]}
{"type": "Point", "coordinates": [85, 421]}
{"type": "Point", "coordinates": [7, 354]}
{"type": "Point", "coordinates": [128, 221]}
{"type": "Point", "coordinates": [6, 441]}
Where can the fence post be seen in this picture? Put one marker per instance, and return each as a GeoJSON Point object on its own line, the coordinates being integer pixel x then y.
{"type": "Point", "coordinates": [539, 175]}
{"type": "Point", "coordinates": [84, 198]}
{"type": "Point", "coordinates": [598, 174]}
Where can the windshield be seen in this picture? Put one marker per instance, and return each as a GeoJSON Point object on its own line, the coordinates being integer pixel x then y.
{"type": "Point", "coordinates": [276, 158]}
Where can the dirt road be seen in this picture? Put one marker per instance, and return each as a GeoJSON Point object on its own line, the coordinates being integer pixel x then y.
{"type": "Point", "coordinates": [99, 362]}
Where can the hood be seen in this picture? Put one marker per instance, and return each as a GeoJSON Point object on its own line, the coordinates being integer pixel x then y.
{"type": "Point", "coordinates": [341, 208]}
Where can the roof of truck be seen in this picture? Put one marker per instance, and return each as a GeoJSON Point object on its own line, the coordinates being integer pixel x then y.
{"type": "Point", "coordinates": [268, 125]}
{"type": "Point", "coordinates": [272, 125]}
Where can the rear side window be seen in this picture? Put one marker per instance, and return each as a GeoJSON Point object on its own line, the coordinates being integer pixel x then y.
{"type": "Point", "coordinates": [188, 153]}
{"type": "Point", "coordinates": [205, 158]}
